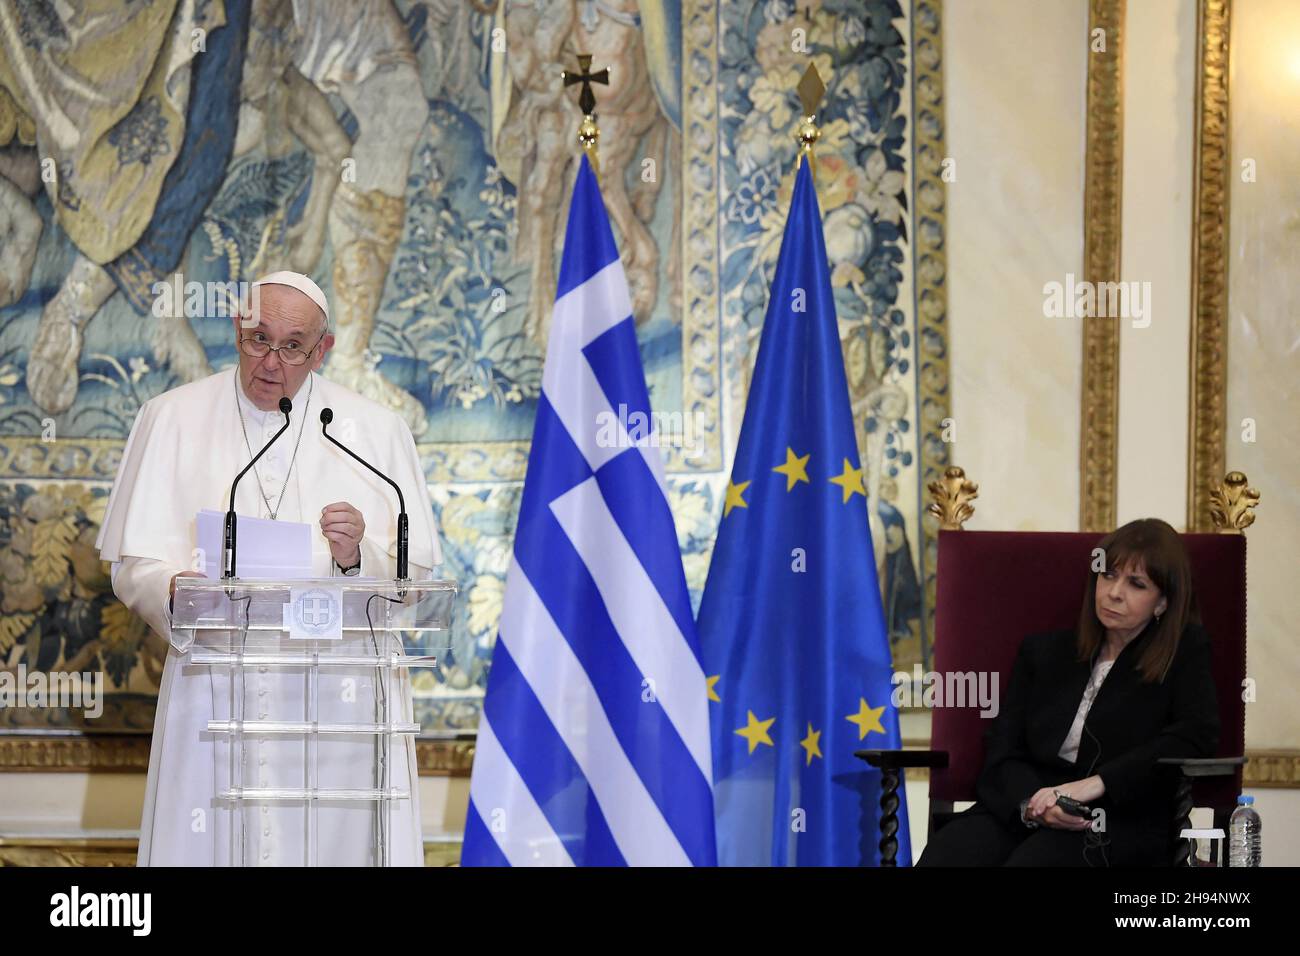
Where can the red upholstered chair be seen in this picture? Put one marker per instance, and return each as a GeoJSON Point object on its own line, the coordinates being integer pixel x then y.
{"type": "Point", "coordinates": [976, 629]}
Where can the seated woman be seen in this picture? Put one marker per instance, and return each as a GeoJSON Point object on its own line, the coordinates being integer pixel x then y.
{"type": "Point", "coordinates": [1087, 714]}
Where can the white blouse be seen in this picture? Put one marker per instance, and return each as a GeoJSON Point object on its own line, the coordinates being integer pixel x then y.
{"type": "Point", "coordinates": [1070, 749]}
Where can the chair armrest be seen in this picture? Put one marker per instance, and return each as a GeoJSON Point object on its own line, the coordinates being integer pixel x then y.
{"type": "Point", "coordinates": [1193, 767]}
{"type": "Point", "coordinates": [900, 759]}
{"type": "Point", "coordinates": [1204, 766]}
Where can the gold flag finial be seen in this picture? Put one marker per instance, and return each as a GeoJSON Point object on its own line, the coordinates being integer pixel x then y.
{"type": "Point", "coordinates": [588, 131]}
{"type": "Point", "coordinates": [811, 90]}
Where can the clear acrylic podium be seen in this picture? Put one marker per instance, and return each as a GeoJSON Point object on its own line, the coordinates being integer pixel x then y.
{"type": "Point", "coordinates": [311, 728]}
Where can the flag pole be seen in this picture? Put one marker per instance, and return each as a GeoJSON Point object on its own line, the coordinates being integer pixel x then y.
{"type": "Point", "coordinates": [588, 131]}
{"type": "Point", "coordinates": [811, 90]}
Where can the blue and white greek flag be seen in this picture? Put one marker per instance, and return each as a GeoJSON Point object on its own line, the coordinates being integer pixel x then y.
{"type": "Point", "coordinates": [593, 747]}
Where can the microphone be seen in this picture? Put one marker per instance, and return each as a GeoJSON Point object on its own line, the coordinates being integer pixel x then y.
{"type": "Point", "coordinates": [228, 546]}
{"type": "Point", "coordinates": [403, 551]}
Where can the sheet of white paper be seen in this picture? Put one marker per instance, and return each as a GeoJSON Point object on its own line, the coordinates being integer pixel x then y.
{"type": "Point", "coordinates": [274, 550]}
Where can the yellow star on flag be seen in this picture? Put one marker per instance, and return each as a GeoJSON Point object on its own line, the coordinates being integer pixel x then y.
{"type": "Point", "coordinates": [755, 732]}
{"type": "Point", "coordinates": [735, 496]}
{"type": "Point", "coordinates": [867, 718]}
{"type": "Point", "coordinates": [713, 687]}
{"type": "Point", "coordinates": [795, 468]}
{"type": "Point", "coordinates": [811, 744]}
{"type": "Point", "coordinates": [850, 481]}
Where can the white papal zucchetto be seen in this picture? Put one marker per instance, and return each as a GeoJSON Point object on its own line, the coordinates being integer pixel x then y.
{"type": "Point", "coordinates": [304, 284]}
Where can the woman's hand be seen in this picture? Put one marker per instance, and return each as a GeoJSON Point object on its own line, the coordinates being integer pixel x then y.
{"type": "Point", "coordinates": [1043, 809]}
{"type": "Point", "coordinates": [1086, 790]}
{"type": "Point", "coordinates": [1058, 819]}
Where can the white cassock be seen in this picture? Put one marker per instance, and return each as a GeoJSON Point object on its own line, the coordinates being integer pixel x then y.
{"type": "Point", "coordinates": [184, 449]}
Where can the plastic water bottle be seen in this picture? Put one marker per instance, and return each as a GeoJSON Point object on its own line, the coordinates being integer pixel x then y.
{"type": "Point", "coordinates": [1243, 834]}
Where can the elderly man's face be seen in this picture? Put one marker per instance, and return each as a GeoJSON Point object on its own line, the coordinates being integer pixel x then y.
{"type": "Point", "coordinates": [283, 317]}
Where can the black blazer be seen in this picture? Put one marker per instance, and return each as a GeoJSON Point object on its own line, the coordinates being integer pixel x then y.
{"type": "Point", "coordinates": [1130, 726]}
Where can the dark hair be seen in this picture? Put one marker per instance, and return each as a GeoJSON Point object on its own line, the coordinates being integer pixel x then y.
{"type": "Point", "coordinates": [1155, 545]}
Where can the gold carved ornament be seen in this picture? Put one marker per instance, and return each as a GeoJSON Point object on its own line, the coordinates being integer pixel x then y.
{"type": "Point", "coordinates": [951, 498]}
{"type": "Point", "coordinates": [1232, 504]}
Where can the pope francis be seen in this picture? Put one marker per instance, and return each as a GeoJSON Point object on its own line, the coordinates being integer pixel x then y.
{"type": "Point", "coordinates": [185, 448]}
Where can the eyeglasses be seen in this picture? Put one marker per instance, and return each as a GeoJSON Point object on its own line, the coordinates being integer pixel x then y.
{"type": "Point", "coordinates": [258, 345]}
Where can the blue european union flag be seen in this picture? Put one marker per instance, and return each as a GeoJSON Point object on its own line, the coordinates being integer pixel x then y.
{"type": "Point", "coordinates": [791, 625]}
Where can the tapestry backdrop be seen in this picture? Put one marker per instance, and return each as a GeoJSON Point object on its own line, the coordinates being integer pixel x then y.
{"type": "Point", "coordinates": [416, 159]}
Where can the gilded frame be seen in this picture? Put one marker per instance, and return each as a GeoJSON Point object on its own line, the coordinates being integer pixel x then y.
{"type": "Point", "coordinates": [1102, 215]}
{"type": "Point", "coordinates": [1208, 371]}
{"type": "Point", "coordinates": [931, 276]}
{"type": "Point", "coordinates": [129, 753]}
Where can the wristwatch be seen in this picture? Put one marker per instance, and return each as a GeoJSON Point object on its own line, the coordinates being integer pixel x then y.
{"type": "Point", "coordinates": [352, 571]}
{"type": "Point", "coordinates": [1032, 824]}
